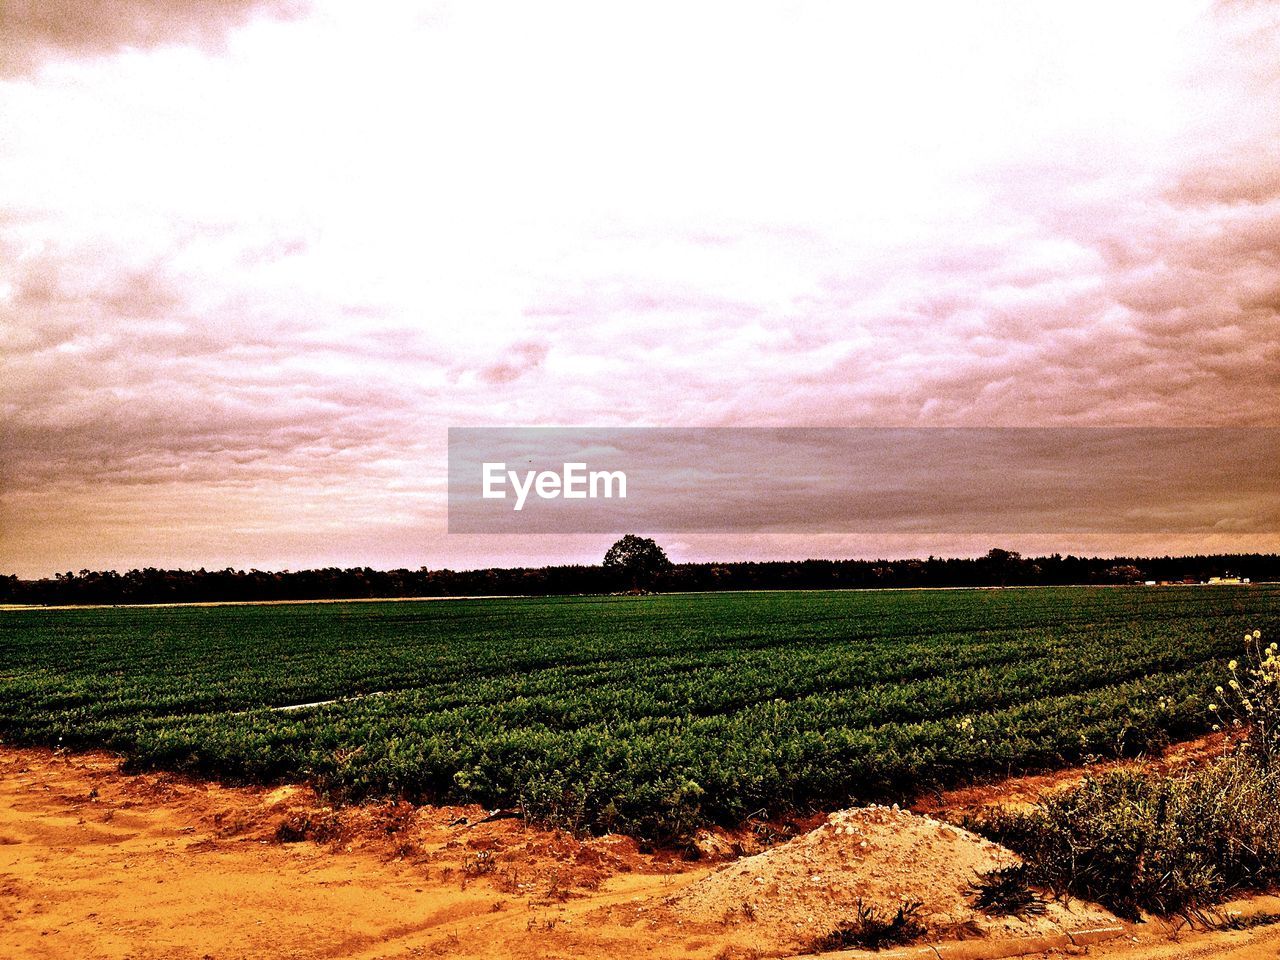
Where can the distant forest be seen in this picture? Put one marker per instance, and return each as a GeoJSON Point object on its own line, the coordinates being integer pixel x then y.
{"type": "Point", "coordinates": [997, 568]}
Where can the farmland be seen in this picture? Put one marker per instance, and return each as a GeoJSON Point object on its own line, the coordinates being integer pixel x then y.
{"type": "Point", "coordinates": [652, 715]}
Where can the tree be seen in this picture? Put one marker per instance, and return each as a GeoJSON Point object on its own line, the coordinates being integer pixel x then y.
{"type": "Point", "coordinates": [1003, 566]}
{"type": "Point", "coordinates": [1124, 573]}
{"type": "Point", "coordinates": [637, 560]}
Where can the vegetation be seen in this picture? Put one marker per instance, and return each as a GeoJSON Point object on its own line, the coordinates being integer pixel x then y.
{"type": "Point", "coordinates": [1141, 841]}
{"type": "Point", "coordinates": [653, 715]}
{"type": "Point", "coordinates": [1252, 702]}
{"type": "Point", "coordinates": [1135, 840]}
{"type": "Point", "coordinates": [871, 930]}
{"type": "Point", "coordinates": [1007, 892]}
{"type": "Point", "coordinates": [637, 561]}
{"type": "Point", "coordinates": [997, 568]}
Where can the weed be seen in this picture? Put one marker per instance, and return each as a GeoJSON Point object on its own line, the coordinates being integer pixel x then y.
{"type": "Point", "coordinates": [1251, 699]}
{"type": "Point", "coordinates": [1007, 892]}
{"type": "Point", "coordinates": [872, 930]}
{"type": "Point", "coordinates": [1237, 922]}
{"type": "Point", "coordinates": [298, 827]}
{"type": "Point", "coordinates": [480, 864]}
{"type": "Point", "coordinates": [1167, 844]}
{"type": "Point", "coordinates": [1136, 841]}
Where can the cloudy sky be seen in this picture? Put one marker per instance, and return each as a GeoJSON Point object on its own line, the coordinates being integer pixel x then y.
{"type": "Point", "coordinates": [257, 257]}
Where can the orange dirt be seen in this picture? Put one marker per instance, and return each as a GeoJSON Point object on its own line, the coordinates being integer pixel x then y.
{"type": "Point", "coordinates": [883, 856]}
{"type": "Point", "coordinates": [95, 863]}
{"type": "Point", "coordinates": [1026, 790]}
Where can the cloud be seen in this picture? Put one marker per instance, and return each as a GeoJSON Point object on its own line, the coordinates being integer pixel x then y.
{"type": "Point", "coordinates": [246, 286]}
{"type": "Point", "coordinates": [39, 30]}
{"type": "Point", "coordinates": [1117, 480]}
{"type": "Point", "coordinates": [113, 378]}
{"type": "Point", "coordinates": [521, 359]}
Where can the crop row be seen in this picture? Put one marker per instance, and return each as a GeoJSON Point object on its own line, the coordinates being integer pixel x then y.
{"type": "Point", "coordinates": [653, 715]}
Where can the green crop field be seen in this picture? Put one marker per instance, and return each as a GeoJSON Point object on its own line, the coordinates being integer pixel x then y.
{"type": "Point", "coordinates": [652, 715]}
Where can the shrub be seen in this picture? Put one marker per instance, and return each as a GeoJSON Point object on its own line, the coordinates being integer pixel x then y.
{"type": "Point", "coordinates": [1251, 700]}
{"type": "Point", "coordinates": [872, 930]}
{"type": "Point", "coordinates": [1007, 891]}
{"type": "Point", "coordinates": [297, 827]}
{"type": "Point", "coordinates": [1139, 841]}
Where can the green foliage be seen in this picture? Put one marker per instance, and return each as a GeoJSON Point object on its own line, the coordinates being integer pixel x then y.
{"type": "Point", "coordinates": [637, 560]}
{"type": "Point", "coordinates": [1137, 841]}
{"type": "Point", "coordinates": [1251, 700]}
{"type": "Point", "coordinates": [1166, 844]}
{"type": "Point", "coordinates": [652, 716]}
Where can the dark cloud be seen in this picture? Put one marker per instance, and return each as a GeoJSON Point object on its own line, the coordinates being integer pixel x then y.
{"type": "Point", "coordinates": [37, 30]}
{"type": "Point", "coordinates": [114, 377]}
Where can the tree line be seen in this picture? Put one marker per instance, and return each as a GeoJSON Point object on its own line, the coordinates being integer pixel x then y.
{"type": "Point", "coordinates": [997, 568]}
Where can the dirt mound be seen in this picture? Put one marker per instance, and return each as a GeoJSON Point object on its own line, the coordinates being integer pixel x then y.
{"type": "Point", "coordinates": [881, 856]}
{"type": "Point", "coordinates": [98, 863]}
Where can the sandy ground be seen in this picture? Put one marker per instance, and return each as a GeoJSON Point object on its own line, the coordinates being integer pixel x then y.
{"type": "Point", "coordinates": [885, 857]}
{"type": "Point", "coordinates": [1261, 943]}
{"type": "Point", "coordinates": [95, 863]}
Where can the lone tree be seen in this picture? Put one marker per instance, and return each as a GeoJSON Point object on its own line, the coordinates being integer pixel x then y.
{"type": "Point", "coordinates": [636, 560]}
{"type": "Point", "coordinates": [1008, 566]}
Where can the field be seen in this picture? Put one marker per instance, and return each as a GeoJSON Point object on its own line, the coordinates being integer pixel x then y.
{"type": "Point", "coordinates": [651, 715]}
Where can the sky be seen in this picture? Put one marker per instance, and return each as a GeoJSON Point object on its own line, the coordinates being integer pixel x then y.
{"type": "Point", "coordinates": [257, 256]}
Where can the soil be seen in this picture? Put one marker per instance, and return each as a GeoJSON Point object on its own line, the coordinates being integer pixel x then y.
{"type": "Point", "coordinates": [883, 857]}
{"type": "Point", "coordinates": [1023, 791]}
{"type": "Point", "coordinates": [96, 863]}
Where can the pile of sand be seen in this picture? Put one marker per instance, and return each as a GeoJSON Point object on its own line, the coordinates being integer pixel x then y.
{"type": "Point", "coordinates": [882, 856]}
